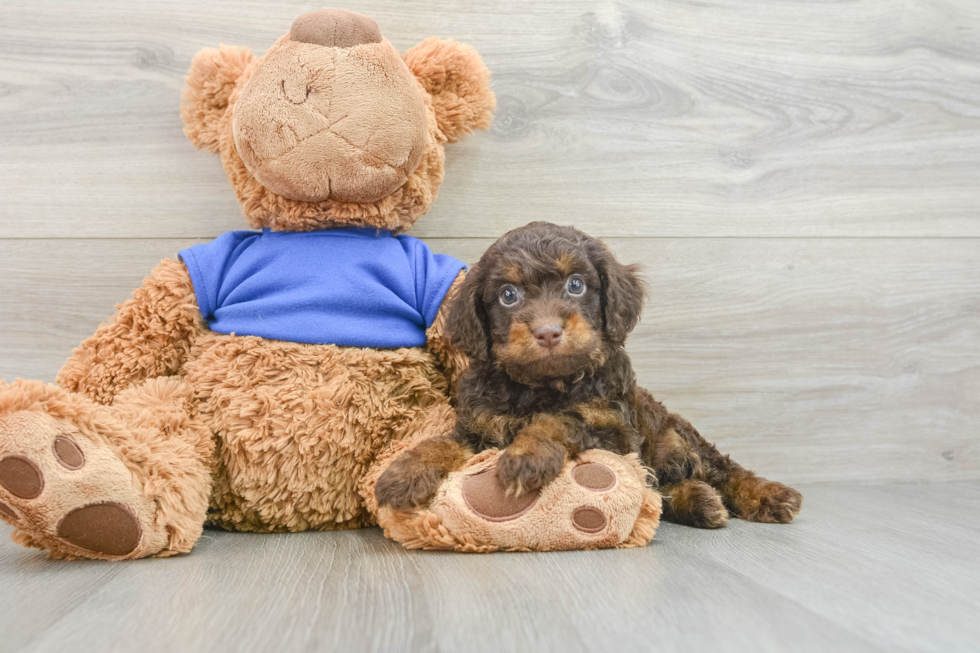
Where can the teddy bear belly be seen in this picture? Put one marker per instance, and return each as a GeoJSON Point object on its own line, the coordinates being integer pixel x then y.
{"type": "Point", "coordinates": [298, 425]}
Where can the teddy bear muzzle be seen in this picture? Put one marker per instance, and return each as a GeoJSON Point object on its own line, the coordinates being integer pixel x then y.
{"type": "Point", "coordinates": [335, 28]}
{"type": "Point", "coordinates": [331, 112]}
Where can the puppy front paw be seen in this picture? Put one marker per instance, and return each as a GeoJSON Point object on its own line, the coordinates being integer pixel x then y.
{"type": "Point", "coordinates": [415, 476]}
{"type": "Point", "coordinates": [521, 469]}
{"type": "Point", "coordinates": [408, 483]}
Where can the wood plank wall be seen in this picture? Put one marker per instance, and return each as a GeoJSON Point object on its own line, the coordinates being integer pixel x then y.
{"type": "Point", "coordinates": [800, 179]}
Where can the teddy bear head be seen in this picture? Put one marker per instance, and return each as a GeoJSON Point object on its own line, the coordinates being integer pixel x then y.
{"type": "Point", "coordinates": [332, 126]}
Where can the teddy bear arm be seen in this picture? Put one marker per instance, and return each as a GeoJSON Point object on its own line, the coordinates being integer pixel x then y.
{"type": "Point", "coordinates": [150, 335]}
{"type": "Point", "coordinates": [452, 361]}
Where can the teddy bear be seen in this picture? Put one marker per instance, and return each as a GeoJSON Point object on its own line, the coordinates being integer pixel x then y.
{"type": "Point", "coordinates": [264, 381]}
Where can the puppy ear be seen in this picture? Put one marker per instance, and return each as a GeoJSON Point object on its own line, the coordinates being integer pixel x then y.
{"type": "Point", "coordinates": [212, 78]}
{"type": "Point", "coordinates": [622, 293]}
{"type": "Point", "coordinates": [467, 326]}
{"type": "Point", "coordinates": [454, 74]}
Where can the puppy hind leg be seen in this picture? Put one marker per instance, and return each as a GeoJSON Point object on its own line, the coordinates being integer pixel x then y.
{"type": "Point", "coordinates": [694, 503]}
{"type": "Point", "coordinates": [746, 495]}
{"type": "Point", "coordinates": [757, 499]}
{"type": "Point", "coordinates": [684, 464]}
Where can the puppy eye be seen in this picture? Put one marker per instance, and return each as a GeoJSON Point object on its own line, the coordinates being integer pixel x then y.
{"type": "Point", "coordinates": [509, 295]}
{"type": "Point", "coordinates": [575, 285]}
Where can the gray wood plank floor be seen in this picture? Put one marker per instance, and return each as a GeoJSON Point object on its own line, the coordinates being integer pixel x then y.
{"type": "Point", "coordinates": [865, 568]}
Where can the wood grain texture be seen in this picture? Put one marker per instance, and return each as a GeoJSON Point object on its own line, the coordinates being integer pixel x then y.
{"type": "Point", "coordinates": [889, 568]}
{"type": "Point", "coordinates": [628, 118]}
{"type": "Point", "coordinates": [808, 360]}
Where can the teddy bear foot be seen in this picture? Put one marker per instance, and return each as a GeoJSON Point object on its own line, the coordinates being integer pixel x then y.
{"type": "Point", "coordinates": [600, 500]}
{"type": "Point", "coordinates": [69, 494]}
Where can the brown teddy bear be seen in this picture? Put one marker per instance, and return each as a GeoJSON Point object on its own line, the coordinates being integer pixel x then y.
{"type": "Point", "coordinates": [264, 381]}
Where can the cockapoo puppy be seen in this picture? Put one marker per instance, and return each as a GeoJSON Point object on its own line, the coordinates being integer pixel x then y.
{"type": "Point", "coordinates": [543, 318]}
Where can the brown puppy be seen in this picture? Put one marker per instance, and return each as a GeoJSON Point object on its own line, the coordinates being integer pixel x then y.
{"type": "Point", "coordinates": [543, 318]}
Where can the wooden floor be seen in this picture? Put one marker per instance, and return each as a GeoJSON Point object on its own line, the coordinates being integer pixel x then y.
{"type": "Point", "coordinates": [883, 568]}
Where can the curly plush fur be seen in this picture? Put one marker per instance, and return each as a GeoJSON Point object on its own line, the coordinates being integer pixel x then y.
{"type": "Point", "coordinates": [176, 426]}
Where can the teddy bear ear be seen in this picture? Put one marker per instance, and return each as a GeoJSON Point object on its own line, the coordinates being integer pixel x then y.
{"type": "Point", "coordinates": [210, 81]}
{"type": "Point", "coordinates": [454, 74]}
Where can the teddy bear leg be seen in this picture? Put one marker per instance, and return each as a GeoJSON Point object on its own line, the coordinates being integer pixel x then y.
{"type": "Point", "coordinates": [82, 480]}
{"type": "Point", "coordinates": [599, 500]}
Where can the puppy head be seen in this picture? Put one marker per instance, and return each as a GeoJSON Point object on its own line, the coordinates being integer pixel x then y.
{"type": "Point", "coordinates": [546, 302]}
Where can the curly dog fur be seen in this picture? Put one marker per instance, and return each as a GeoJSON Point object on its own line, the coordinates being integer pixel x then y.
{"type": "Point", "coordinates": [544, 317]}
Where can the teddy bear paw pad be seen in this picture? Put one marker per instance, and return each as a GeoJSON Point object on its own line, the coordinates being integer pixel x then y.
{"type": "Point", "coordinates": [7, 511]}
{"type": "Point", "coordinates": [67, 491]}
{"type": "Point", "coordinates": [108, 528]}
{"type": "Point", "coordinates": [486, 496]}
{"type": "Point", "coordinates": [589, 520]}
{"type": "Point", "coordinates": [594, 476]}
{"type": "Point", "coordinates": [68, 454]}
{"type": "Point", "coordinates": [21, 477]}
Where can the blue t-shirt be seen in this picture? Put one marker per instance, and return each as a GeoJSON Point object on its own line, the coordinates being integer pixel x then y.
{"type": "Point", "coordinates": [352, 287]}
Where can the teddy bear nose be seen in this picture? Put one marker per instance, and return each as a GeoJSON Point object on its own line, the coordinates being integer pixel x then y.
{"type": "Point", "coordinates": [548, 336]}
{"type": "Point", "coordinates": [335, 28]}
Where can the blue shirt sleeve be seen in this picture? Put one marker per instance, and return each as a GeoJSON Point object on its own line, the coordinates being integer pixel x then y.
{"type": "Point", "coordinates": [206, 265]}
{"type": "Point", "coordinates": [434, 276]}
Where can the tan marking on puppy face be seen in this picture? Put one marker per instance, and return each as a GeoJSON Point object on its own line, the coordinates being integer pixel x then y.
{"type": "Point", "coordinates": [525, 360]}
{"type": "Point", "coordinates": [578, 335]}
{"type": "Point", "coordinates": [566, 263]}
{"type": "Point", "coordinates": [521, 345]}
{"type": "Point", "coordinates": [511, 273]}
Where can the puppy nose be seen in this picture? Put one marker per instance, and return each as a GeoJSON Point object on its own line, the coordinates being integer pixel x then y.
{"type": "Point", "coordinates": [335, 28]}
{"type": "Point", "coordinates": [548, 336]}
